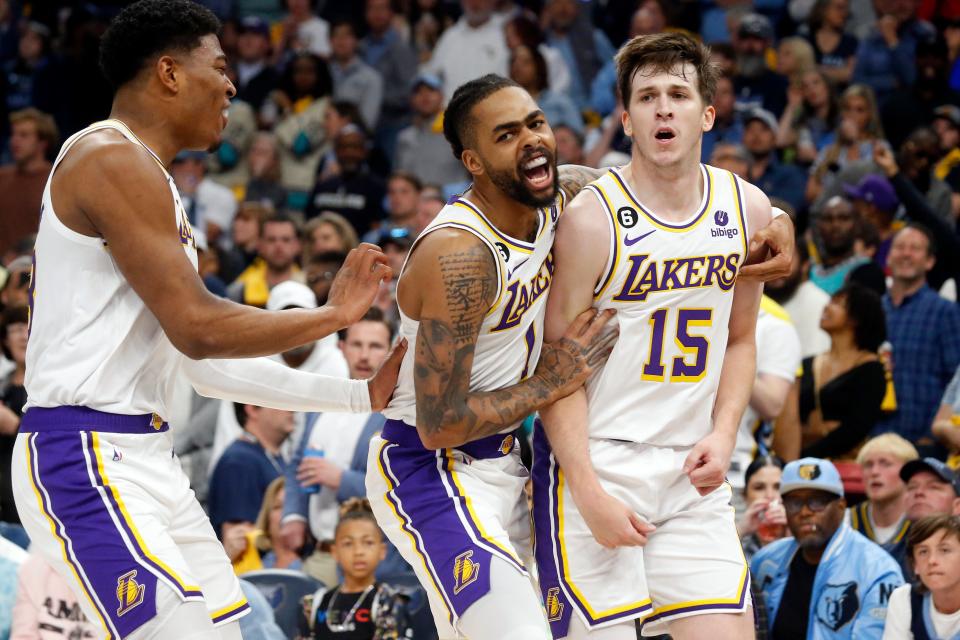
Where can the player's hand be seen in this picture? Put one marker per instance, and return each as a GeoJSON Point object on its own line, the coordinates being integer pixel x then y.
{"type": "Point", "coordinates": [612, 523]}
{"type": "Point", "coordinates": [707, 463]}
{"type": "Point", "coordinates": [294, 534]}
{"type": "Point", "coordinates": [235, 539]}
{"type": "Point", "coordinates": [314, 470]}
{"type": "Point", "coordinates": [357, 283]}
{"type": "Point", "coordinates": [883, 157]}
{"type": "Point", "coordinates": [383, 383]}
{"type": "Point", "coordinates": [778, 238]}
{"type": "Point", "coordinates": [752, 517]}
{"type": "Point", "coordinates": [566, 363]}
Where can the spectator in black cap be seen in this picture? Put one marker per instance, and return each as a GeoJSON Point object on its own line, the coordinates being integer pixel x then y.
{"type": "Point", "coordinates": [777, 180]}
{"type": "Point", "coordinates": [885, 56]}
{"type": "Point", "coordinates": [756, 84]}
{"type": "Point", "coordinates": [421, 148]}
{"type": "Point", "coordinates": [255, 77]}
{"type": "Point", "coordinates": [933, 488]}
{"type": "Point", "coordinates": [876, 203]}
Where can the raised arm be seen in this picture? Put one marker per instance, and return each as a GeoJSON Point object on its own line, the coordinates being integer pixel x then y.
{"type": "Point", "coordinates": [456, 284]}
{"type": "Point", "coordinates": [131, 208]}
{"type": "Point", "coordinates": [709, 460]}
{"type": "Point", "coordinates": [575, 276]}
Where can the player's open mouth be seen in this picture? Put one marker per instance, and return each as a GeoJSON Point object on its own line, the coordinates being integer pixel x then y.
{"type": "Point", "coordinates": [224, 118]}
{"type": "Point", "coordinates": [537, 172]}
{"type": "Point", "coordinates": [665, 135]}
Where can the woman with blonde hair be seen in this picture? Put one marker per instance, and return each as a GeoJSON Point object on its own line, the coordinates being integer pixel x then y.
{"type": "Point", "coordinates": [329, 231]}
{"type": "Point", "coordinates": [857, 131]}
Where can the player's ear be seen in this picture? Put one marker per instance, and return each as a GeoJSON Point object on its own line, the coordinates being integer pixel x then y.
{"type": "Point", "coordinates": [709, 116]}
{"type": "Point", "coordinates": [167, 71]}
{"type": "Point", "coordinates": [471, 160]}
{"type": "Point", "coordinates": [625, 120]}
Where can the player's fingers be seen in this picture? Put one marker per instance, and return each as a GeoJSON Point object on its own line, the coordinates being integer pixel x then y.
{"type": "Point", "coordinates": [598, 323]}
{"type": "Point", "coordinates": [776, 267]}
{"type": "Point", "coordinates": [381, 272]}
{"type": "Point", "coordinates": [371, 257]}
{"type": "Point", "coordinates": [580, 322]}
{"type": "Point", "coordinates": [693, 459]}
{"type": "Point", "coordinates": [640, 525]}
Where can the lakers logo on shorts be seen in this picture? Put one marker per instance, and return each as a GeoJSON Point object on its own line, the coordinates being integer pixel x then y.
{"type": "Point", "coordinates": [554, 606]}
{"type": "Point", "coordinates": [507, 445]}
{"type": "Point", "coordinates": [809, 471]}
{"type": "Point", "coordinates": [129, 592]}
{"type": "Point", "coordinates": [156, 422]}
{"type": "Point", "coordinates": [465, 571]}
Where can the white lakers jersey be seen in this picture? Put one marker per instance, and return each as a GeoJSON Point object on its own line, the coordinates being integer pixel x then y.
{"type": "Point", "coordinates": [93, 342]}
{"type": "Point", "coordinates": [672, 287]}
{"type": "Point", "coordinates": [511, 334]}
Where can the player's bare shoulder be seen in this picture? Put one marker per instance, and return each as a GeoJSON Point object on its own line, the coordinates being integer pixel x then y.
{"type": "Point", "coordinates": [102, 172]}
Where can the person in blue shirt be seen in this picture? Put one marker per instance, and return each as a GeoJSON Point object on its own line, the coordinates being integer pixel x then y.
{"type": "Point", "coordinates": [827, 582]}
{"type": "Point", "coordinates": [924, 332]}
{"type": "Point", "coordinates": [777, 180]}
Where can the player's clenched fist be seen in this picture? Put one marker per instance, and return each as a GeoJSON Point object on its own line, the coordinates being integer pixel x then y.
{"type": "Point", "coordinates": [612, 523]}
{"type": "Point", "coordinates": [357, 282]}
{"type": "Point", "coordinates": [707, 463]}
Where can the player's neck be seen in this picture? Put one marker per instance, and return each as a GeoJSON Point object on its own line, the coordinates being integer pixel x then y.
{"type": "Point", "coordinates": [888, 512]}
{"type": "Point", "coordinates": [513, 218]}
{"type": "Point", "coordinates": [147, 124]}
{"type": "Point", "coordinates": [674, 191]}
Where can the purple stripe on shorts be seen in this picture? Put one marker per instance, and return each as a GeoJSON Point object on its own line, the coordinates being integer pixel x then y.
{"type": "Point", "coordinates": [69, 418]}
{"type": "Point", "coordinates": [554, 585]}
{"type": "Point", "coordinates": [495, 446]}
{"type": "Point", "coordinates": [727, 606]}
{"type": "Point", "coordinates": [558, 607]}
{"type": "Point", "coordinates": [126, 588]}
{"type": "Point", "coordinates": [170, 578]}
{"type": "Point", "coordinates": [461, 568]}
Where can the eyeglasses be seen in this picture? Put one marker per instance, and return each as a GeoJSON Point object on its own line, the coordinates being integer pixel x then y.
{"type": "Point", "coordinates": [816, 503]}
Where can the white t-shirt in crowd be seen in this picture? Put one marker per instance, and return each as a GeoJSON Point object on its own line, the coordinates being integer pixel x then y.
{"type": "Point", "coordinates": [314, 35]}
{"type": "Point", "coordinates": [464, 53]}
{"type": "Point", "coordinates": [897, 627]}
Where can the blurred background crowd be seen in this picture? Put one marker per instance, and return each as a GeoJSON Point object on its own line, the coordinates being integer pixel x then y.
{"type": "Point", "coordinates": [845, 112]}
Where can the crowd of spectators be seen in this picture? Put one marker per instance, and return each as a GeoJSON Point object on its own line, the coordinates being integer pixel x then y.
{"type": "Point", "coordinates": [845, 112]}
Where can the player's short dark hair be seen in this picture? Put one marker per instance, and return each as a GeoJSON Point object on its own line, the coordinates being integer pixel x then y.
{"type": "Point", "coordinates": [373, 314]}
{"type": "Point", "coordinates": [665, 52]}
{"type": "Point", "coordinates": [865, 310]}
{"type": "Point", "coordinates": [150, 27]}
{"type": "Point", "coordinates": [11, 315]}
{"type": "Point", "coordinates": [458, 121]}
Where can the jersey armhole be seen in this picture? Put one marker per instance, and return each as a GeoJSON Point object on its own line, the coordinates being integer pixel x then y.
{"type": "Point", "coordinates": [497, 260]}
{"type": "Point", "coordinates": [610, 266]}
{"type": "Point", "coordinates": [742, 210]}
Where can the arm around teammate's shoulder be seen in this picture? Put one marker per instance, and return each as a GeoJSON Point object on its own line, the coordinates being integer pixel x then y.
{"type": "Point", "coordinates": [122, 195]}
{"type": "Point", "coordinates": [772, 239]}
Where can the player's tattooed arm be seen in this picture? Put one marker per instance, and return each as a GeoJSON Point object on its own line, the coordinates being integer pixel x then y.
{"type": "Point", "coordinates": [574, 177]}
{"type": "Point", "coordinates": [448, 413]}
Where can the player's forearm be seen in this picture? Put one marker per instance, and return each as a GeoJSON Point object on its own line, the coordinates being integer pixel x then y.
{"type": "Point", "coordinates": [266, 383]}
{"type": "Point", "coordinates": [739, 364]}
{"type": "Point", "coordinates": [445, 420]}
{"type": "Point", "coordinates": [223, 329]}
{"type": "Point", "coordinates": [565, 424]}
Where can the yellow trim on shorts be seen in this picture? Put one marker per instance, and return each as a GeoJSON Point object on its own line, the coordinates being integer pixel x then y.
{"type": "Point", "coordinates": [95, 441]}
{"type": "Point", "coordinates": [473, 516]}
{"type": "Point", "coordinates": [405, 523]}
{"type": "Point", "coordinates": [566, 574]}
{"type": "Point", "coordinates": [230, 608]}
{"type": "Point", "coordinates": [63, 544]}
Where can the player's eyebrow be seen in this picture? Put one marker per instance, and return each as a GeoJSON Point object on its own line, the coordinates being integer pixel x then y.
{"type": "Point", "coordinates": [515, 124]}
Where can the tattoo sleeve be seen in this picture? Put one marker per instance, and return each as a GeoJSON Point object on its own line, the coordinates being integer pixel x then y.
{"type": "Point", "coordinates": [447, 411]}
{"type": "Point", "coordinates": [574, 177]}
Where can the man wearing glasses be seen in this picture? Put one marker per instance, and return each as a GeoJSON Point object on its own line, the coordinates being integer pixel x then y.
{"type": "Point", "coordinates": [827, 581]}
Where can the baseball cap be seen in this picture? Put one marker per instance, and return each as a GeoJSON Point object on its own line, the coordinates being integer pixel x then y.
{"type": "Point", "coordinates": [934, 466]}
{"type": "Point", "coordinates": [755, 25]}
{"type": "Point", "coordinates": [399, 236]}
{"type": "Point", "coordinates": [876, 190]}
{"type": "Point", "coordinates": [431, 80]}
{"type": "Point", "coordinates": [949, 113]}
{"type": "Point", "coordinates": [255, 24]}
{"type": "Point", "coordinates": [811, 473]}
{"type": "Point", "coordinates": [291, 294]}
{"type": "Point", "coordinates": [763, 116]}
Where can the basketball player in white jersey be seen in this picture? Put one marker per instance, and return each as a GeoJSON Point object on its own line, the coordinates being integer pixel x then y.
{"type": "Point", "coordinates": [118, 311]}
{"type": "Point", "coordinates": [632, 518]}
{"type": "Point", "coordinates": [445, 478]}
